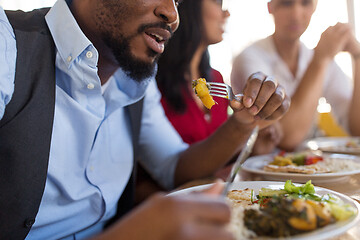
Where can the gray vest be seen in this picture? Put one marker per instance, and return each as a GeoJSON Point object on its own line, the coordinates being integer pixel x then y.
{"type": "Point", "coordinates": [26, 128]}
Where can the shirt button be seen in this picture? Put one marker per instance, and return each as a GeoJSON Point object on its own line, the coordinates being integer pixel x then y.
{"type": "Point", "coordinates": [89, 54]}
{"type": "Point", "coordinates": [90, 86]}
{"type": "Point", "coordinates": [69, 58]}
{"type": "Point", "coordinates": [29, 222]}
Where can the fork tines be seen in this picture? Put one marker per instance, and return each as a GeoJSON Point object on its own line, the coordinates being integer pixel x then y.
{"type": "Point", "coordinates": [218, 90]}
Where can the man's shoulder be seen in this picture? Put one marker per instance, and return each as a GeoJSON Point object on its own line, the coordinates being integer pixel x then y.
{"type": "Point", "coordinates": [5, 26]}
{"type": "Point", "coordinates": [28, 21]}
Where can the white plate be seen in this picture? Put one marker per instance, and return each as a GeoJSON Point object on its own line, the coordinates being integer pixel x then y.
{"type": "Point", "coordinates": [256, 165]}
{"type": "Point", "coordinates": [334, 144]}
{"type": "Point", "coordinates": [329, 231]}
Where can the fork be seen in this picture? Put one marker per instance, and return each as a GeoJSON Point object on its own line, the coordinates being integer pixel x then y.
{"type": "Point", "coordinates": [244, 154]}
{"type": "Point", "coordinates": [223, 90]}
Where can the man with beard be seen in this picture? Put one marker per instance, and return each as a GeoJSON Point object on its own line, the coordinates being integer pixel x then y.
{"type": "Point", "coordinates": [71, 118]}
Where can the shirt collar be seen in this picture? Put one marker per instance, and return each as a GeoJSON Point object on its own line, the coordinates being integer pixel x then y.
{"type": "Point", "coordinates": [132, 88]}
{"type": "Point", "coordinates": [70, 41]}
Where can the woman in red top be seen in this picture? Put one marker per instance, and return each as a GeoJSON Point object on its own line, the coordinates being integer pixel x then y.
{"type": "Point", "coordinates": [186, 58]}
{"type": "Point", "coordinates": [196, 122]}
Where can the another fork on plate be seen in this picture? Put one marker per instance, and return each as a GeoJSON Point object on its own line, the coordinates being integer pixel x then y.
{"type": "Point", "coordinates": [223, 90]}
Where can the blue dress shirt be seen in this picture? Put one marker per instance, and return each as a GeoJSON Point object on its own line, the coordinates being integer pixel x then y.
{"type": "Point", "coordinates": [91, 154]}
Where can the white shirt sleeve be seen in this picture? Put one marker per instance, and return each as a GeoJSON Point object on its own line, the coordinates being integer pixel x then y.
{"type": "Point", "coordinates": [250, 61]}
{"type": "Point", "coordinates": [160, 144]}
{"type": "Point", "coordinates": [7, 61]}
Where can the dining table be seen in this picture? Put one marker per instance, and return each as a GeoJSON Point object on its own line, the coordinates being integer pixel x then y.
{"type": "Point", "coordinates": [349, 187]}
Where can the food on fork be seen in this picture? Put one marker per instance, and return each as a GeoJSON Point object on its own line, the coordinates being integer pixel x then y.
{"type": "Point", "coordinates": [202, 91]}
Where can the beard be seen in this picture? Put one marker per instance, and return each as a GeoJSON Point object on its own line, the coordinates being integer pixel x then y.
{"type": "Point", "coordinates": [134, 67]}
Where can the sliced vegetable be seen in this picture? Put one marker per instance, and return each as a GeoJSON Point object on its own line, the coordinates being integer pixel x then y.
{"type": "Point", "coordinates": [341, 211]}
{"type": "Point", "coordinates": [313, 159]}
{"type": "Point", "coordinates": [267, 192]}
{"type": "Point", "coordinates": [307, 188]}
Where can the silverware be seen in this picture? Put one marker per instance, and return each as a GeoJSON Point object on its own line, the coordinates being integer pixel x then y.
{"type": "Point", "coordinates": [241, 159]}
{"type": "Point", "coordinates": [222, 90]}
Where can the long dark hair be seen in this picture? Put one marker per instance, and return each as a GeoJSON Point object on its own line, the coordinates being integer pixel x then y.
{"type": "Point", "coordinates": [174, 64]}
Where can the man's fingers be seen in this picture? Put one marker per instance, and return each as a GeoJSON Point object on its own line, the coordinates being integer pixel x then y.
{"type": "Point", "coordinates": [215, 189]}
{"type": "Point", "coordinates": [201, 206]}
{"type": "Point", "coordinates": [252, 88]}
{"type": "Point", "coordinates": [268, 87]}
{"type": "Point", "coordinates": [280, 111]}
{"type": "Point", "coordinates": [204, 231]}
{"type": "Point", "coordinates": [215, 211]}
{"type": "Point", "coordinates": [263, 99]}
{"type": "Point", "coordinates": [273, 103]}
{"type": "Point", "coordinates": [237, 105]}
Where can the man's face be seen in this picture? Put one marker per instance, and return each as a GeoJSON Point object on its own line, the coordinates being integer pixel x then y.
{"type": "Point", "coordinates": [291, 17]}
{"type": "Point", "coordinates": [136, 31]}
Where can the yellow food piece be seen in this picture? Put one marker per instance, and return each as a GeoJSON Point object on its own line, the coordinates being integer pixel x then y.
{"type": "Point", "coordinates": [281, 161]}
{"type": "Point", "coordinates": [300, 223]}
{"type": "Point", "coordinates": [202, 91]}
{"type": "Point", "coordinates": [329, 126]}
{"type": "Point", "coordinates": [321, 212]}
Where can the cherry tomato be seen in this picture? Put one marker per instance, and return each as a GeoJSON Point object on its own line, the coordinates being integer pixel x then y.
{"type": "Point", "coordinates": [313, 159]}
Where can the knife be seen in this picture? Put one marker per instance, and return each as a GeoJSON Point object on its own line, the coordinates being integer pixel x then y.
{"type": "Point", "coordinates": [241, 159]}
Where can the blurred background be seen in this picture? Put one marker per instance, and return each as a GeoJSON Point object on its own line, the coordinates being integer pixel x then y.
{"type": "Point", "coordinates": [250, 21]}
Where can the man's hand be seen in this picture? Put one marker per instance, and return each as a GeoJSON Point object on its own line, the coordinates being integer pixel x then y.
{"type": "Point", "coordinates": [197, 216]}
{"type": "Point", "coordinates": [264, 101]}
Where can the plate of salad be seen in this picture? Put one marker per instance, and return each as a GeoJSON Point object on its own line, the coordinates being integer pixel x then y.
{"type": "Point", "coordinates": [273, 210]}
{"type": "Point", "coordinates": [303, 166]}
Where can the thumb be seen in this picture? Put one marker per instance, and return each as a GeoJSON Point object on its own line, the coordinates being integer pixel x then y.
{"type": "Point", "coordinates": [216, 189]}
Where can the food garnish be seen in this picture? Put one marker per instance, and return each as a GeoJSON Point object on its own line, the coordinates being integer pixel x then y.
{"type": "Point", "coordinates": [310, 162]}
{"type": "Point", "coordinates": [285, 212]}
{"type": "Point", "coordinates": [353, 144]}
{"type": "Point", "coordinates": [297, 159]}
{"type": "Point", "coordinates": [202, 91]}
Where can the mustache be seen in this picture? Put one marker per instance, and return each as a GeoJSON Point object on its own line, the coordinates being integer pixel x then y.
{"type": "Point", "coordinates": [162, 25]}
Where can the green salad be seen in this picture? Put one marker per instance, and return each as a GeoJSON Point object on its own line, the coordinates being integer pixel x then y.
{"type": "Point", "coordinates": [294, 209]}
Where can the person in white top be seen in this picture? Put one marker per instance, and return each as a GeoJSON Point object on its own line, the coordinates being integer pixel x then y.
{"type": "Point", "coordinates": [90, 146]}
{"type": "Point", "coordinates": [306, 74]}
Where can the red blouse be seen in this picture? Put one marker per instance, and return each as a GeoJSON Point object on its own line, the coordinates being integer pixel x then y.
{"type": "Point", "coordinates": [192, 124]}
